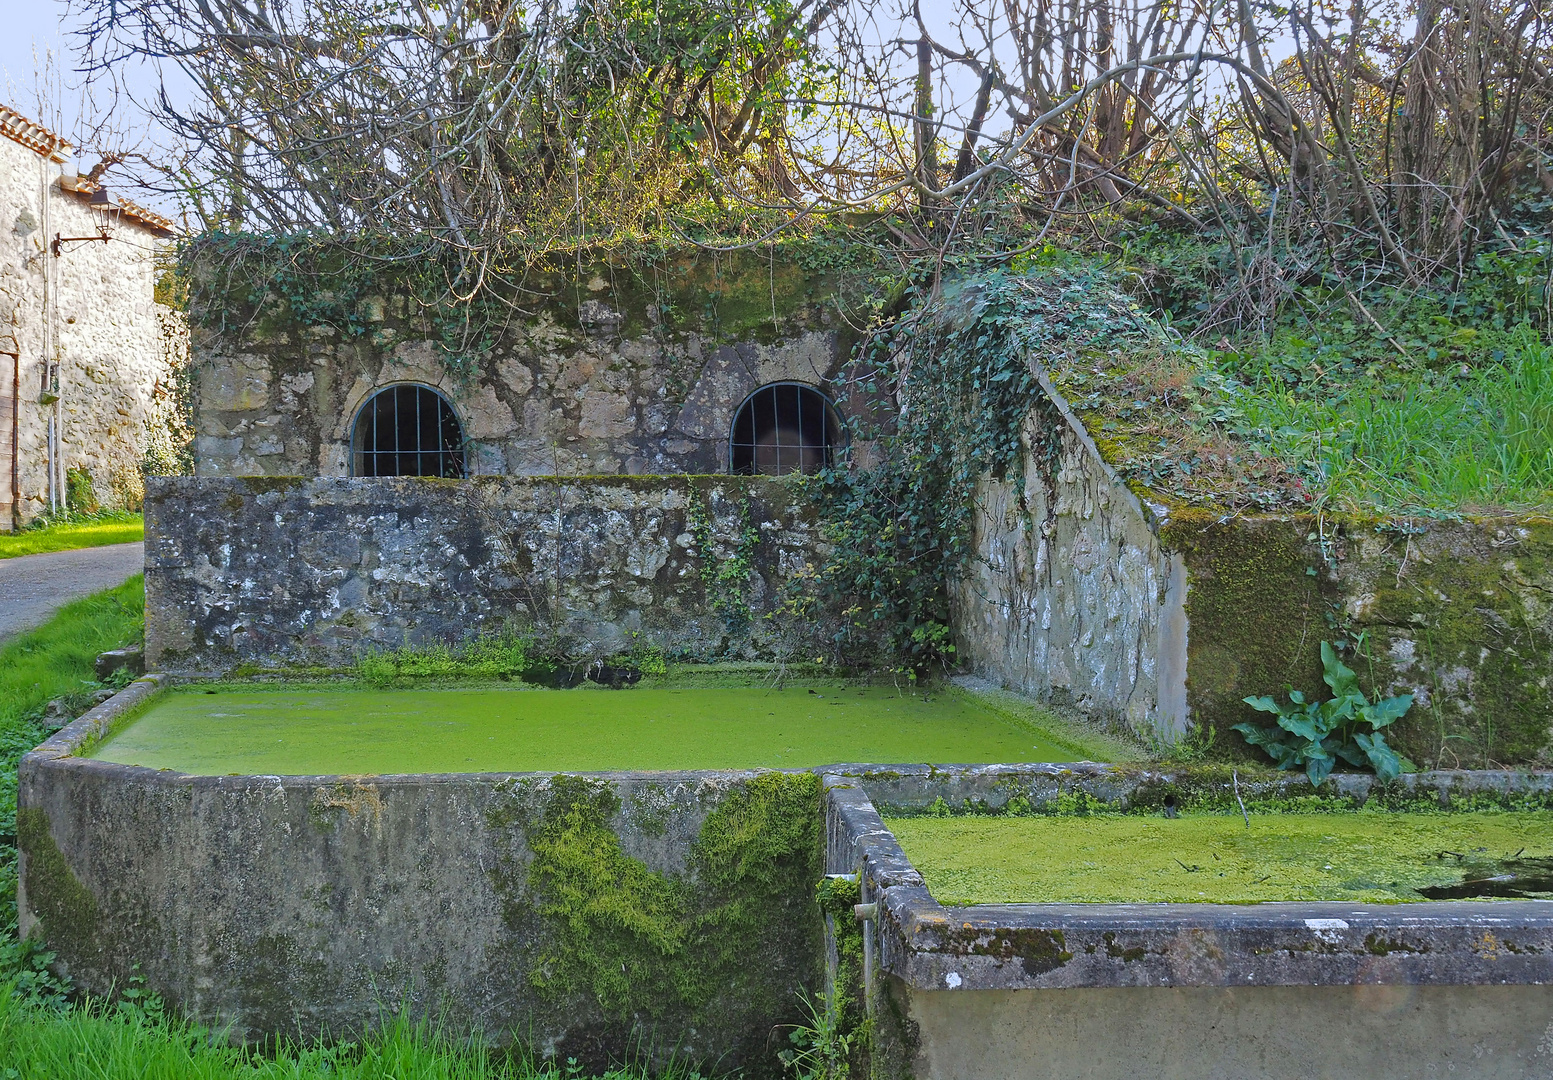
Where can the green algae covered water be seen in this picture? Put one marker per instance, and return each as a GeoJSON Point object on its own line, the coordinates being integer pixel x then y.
{"type": "Point", "coordinates": [304, 731]}
{"type": "Point", "coordinates": [1364, 856]}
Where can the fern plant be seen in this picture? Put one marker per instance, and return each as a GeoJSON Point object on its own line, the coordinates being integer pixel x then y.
{"type": "Point", "coordinates": [1315, 735]}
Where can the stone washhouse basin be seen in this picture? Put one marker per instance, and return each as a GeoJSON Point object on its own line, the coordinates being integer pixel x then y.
{"type": "Point", "coordinates": [671, 915]}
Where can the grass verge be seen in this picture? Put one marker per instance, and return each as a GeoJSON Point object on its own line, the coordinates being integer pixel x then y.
{"type": "Point", "coordinates": [118, 529]}
{"type": "Point", "coordinates": [55, 660]}
{"type": "Point", "coordinates": [1458, 438]}
{"type": "Point", "coordinates": [138, 1040]}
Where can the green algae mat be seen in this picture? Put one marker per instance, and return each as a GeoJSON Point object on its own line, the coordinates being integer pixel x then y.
{"type": "Point", "coordinates": [291, 731]}
{"type": "Point", "coordinates": [1363, 856]}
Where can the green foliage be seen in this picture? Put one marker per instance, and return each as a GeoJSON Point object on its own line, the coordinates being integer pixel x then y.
{"type": "Point", "coordinates": [644, 656]}
{"type": "Point", "coordinates": [726, 578]}
{"type": "Point", "coordinates": [898, 530]}
{"type": "Point", "coordinates": [1345, 727]}
{"type": "Point", "coordinates": [846, 1006]}
{"type": "Point", "coordinates": [1343, 390]}
{"type": "Point", "coordinates": [821, 1048]}
{"type": "Point", "coordinates": [135, 1038]}
{"type": "Point", "coordinates": [643, 942]}
{"type": "Point", "coordinates": [53, 661]}
{"type": "Point", "coordinates": [512, 652]}
{"type": "Point", "coordinates": [66, 532]}
{"type": "Point", "coordinates": [504, 655]}
{"type": "Point", "coordinates": [1468, 434]}
{"type": "Point", "coordinates": [80, 494]}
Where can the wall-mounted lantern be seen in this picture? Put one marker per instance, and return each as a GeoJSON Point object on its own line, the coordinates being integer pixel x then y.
{"type": "Point", "coordinates": [105, 212]}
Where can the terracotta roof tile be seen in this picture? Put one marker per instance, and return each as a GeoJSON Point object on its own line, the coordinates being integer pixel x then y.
{"type": "Point", "coordinates": [82, 187]}
{"type": "Point", "coordinates": [35, 137]}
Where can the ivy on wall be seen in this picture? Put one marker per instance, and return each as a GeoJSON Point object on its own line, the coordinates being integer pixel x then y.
{"type": "Point", "coordinates": [958, 365]}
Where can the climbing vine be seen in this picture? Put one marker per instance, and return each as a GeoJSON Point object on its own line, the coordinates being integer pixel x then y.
{"type": "Point", "coordinates": [726, 579]}
{"type": "Point", "coordinates": [959, 367]}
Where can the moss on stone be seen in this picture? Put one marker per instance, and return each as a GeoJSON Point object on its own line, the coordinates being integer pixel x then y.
{"type": "Point", "coordinates": [267, 485]}
{"type": "Point", "coordinates": [1465, 615]}
{"type": "Point", "coordinates": [66, 907]}
{"type": "Point", "coordinates": [1454, 613]}
{"type": "Point", "coordinates": [1254, 608]}
{"type": "Point", "coordinates": [641, 942]}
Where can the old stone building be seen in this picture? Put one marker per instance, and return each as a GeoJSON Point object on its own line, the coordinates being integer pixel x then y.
{"type": "Point", "coordinates": [85, 351]}
{"type": "Point", "coordinates": [616, 441]}
{"type": "Point", "coordinates": [694, 365]}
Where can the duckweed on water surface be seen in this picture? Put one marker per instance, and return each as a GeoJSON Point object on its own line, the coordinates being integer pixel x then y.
{"type": "Point", "coordinates": [1366, 856]}
{"type": "Point", "coordinates": [300, 731]}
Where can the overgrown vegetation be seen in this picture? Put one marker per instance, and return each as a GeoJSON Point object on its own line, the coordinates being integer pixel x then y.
{"type": "Point", "coordinates": [959, 367]}
{"type": "Point", "coordinates": [137, 1038]}
{"type": "Point", "coordinates": [513, 652]}
{"type": "Point", "coordinates": [641, 942]}
{"type": "Point", "coordinates": [53, 661]}
{"type": "Point", "coordinates": [1315, 735]}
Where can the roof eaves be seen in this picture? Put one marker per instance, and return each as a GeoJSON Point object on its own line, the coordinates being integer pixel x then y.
{"type": "Point", "coordinates": [34, 136]}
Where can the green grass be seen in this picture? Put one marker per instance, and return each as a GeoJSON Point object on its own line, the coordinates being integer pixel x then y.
{"type": "Point", "coordinates": [118, 529]}
{"type": "Point", "coordinates": [1364, 856]}
{"type": "Point", "coordinates": [231, 729]}
{"type": "Point", "coordinates": [1460, 439]}
{"type": "Point", "coordinates": [55, 660]}
{"type": "Point", "coordinates": [135, 1043]}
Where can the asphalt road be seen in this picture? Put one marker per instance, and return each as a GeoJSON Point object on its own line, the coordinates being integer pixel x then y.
{"type": "Point", "coordinates": [32, 587]}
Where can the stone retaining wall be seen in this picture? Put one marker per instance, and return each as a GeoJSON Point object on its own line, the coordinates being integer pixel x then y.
{"type": "Point", "coordinates": [1161, 619]}
{"type": "Point", "coordinates": [1070, 596]}
{"type": "Point", "coordinates": [285, 571]}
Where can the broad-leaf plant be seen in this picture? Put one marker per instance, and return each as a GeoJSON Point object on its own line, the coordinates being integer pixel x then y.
{"type": "Point", "coordinates": [1315, 735]}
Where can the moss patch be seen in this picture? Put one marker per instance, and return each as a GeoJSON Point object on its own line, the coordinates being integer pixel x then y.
{"type": "Point", "coordinates": [1455, 613]}
{"type": "Point", "coordinates": [66, 907]}
{"type": "Point", "coordinates": [1253, 600]}
{"type": "Point", "coordinates": [640, 942]}
{"type": "Point", "coordinates": [1364, 856]}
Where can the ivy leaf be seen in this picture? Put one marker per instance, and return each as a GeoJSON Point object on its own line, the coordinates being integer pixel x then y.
{"type": "Point", "coordinates": [1263, 704]}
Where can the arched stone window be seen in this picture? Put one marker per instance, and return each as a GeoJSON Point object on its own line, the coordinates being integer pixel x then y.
{"type": "Point", "coordinates": [781, 428]}
{"type": "Point", "coordinates": [407, 430]}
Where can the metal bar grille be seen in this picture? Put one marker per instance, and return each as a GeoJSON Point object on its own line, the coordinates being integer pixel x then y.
{"type": "Point", "coordinates": [783, 428]}
{"type": "Point", "coordinates": [408, 431]}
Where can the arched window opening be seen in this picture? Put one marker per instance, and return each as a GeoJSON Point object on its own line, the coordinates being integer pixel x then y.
{"type": "Point", "coordinates": [783, 428]}
{"type": "Point", "coordinates": [407, 431]}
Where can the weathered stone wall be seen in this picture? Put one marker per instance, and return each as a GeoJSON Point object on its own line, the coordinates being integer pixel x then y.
{"type": "Point", "coordinates": [1456, 613]}
{"type": "Point", "coordinates": [1165, 618]}
{"type": "Point", "coordinates": [91, 309]}
{"type": "Point", "coordinates": [597, 369]}
{"type": "Point", "coordinates": [669, 916]}
{"type": "Point", "coordinates": [1069, 595]}
{"type": "Point", "coordinates": [283, 571]}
